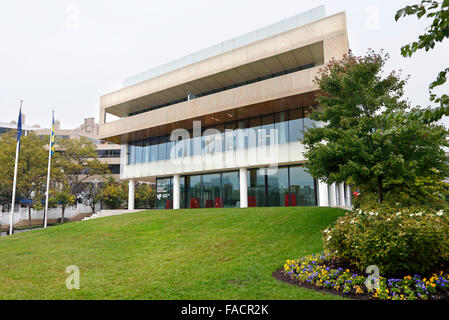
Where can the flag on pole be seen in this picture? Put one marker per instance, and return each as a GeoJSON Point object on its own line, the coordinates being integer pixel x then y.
{"type": "Point", "coordinates": [52, 139]}
{"type": "Point", "coordinates": [13, 200]}
{"type": "Point", "coordinates": [19, 127]}
{"type": "Point", "coordinates": [51, 151]}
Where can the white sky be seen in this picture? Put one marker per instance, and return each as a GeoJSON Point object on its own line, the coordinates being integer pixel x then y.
{"type": "Point", "coordinates": [51, 59]}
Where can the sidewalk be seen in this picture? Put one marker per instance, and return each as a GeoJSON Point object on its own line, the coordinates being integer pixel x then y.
{"type": "Point", "coordinates": [109, 213]}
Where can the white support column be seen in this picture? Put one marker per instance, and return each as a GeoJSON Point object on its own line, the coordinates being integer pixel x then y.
{"type": "Point", "coordinates": [323, 194]}
{"type": "Point", "coordinates": [341, 193]}
{"type": "Point", "coordinates": [349, 195]}
{"type": "Point", "coordinates": [332, 195]}
{"type": "Point", "coordinates": [176, 192]}
{"type": "Point", "coordinates": [131, 188]}
{"type": "Point", "coordinates": [243, 188]}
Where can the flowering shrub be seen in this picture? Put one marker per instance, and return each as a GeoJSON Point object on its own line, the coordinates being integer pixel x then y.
{"type": "Point", "coordinates": [405, 242]}
{"type": "Point", "coordinates": [314, 270]}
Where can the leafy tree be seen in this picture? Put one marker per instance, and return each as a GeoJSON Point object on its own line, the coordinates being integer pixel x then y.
{"type": "Point", "coordinates": [145, 196]}
{"type": "Point", "coordinates": [114, 193]}
{"type": "Point", "coordinates": [78, 160]}
{"type": "Point", "coordinates": [357, 144]}
{"type": "Point", "coordinates": [64, 198]}
{"type": "Point", "coordinates": [437, 32]}
{"type": "Point", "coordinates": [93, 195]}
{"type": "Point", "coordinates": [31, 172]}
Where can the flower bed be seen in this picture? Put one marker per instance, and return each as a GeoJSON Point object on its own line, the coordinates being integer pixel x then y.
{"type": "Point", "coordinates": [322, 272]}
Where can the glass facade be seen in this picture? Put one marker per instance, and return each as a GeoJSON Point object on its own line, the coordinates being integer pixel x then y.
{"type": "Point", "coordinates": [302, 187]}
{"type": "Point", "coordinates": [256, 188]}
{"type": "Point", "coordinates": [277, 186]}
{"type": "Point", "coordinates": [288, 186]}
{"type": "Point", "coordinates": [231, 189]}
{"type": "Point", "coordinates": [211, 197]}
{"type": "Point", "coordinates": [164, 193]}
{"type": "Point", "coordinates": [235, 135]}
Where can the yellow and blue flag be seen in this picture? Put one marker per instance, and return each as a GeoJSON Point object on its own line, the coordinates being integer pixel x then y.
{"type": "Point", "coordinates": [52, 143]}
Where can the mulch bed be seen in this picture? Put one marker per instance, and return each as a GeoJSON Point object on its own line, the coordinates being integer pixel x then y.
{"type": "Point", "coordinates": [281, 276]}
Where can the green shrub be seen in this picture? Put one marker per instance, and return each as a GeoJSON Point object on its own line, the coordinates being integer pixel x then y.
{"type": "Point", "coordinates": [405, 242]}
{"type": "Point", "coordinates": [425, 193]}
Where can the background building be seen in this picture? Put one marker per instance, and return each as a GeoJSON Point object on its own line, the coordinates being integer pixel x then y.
{"type": "Point", "coordinates": [243, 106]}
{"type": "Point", "coordinates": [107, 152]}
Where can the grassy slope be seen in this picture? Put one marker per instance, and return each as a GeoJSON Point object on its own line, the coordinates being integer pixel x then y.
{"type": "Point", "coordinates": [190, 254]}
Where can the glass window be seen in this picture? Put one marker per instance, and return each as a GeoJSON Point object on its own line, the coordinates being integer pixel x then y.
{"type": "Point", "coordinates": [170, 146]}
{"type": "Point", "coordinates": [139, 152]}
{"type": "Point", "coordinates": [278, 188]}
{"type": "Point", "coordinates": [162, 148]}
{"type": "Point", "coordinates": [242, 135]}
{"type": "Point", "coordinates": [211, 196]}
{"type": "Point", "coordinates": [154, 147]}
{"type": "Point", "coordinates": [282, 126]}
{"type": "Point", "coordinates": [295, 125]}
{"type": "Point", "coordinates": [146, 150]}
{"type": "Point", "coordinates": [219, 138]}
{"type": "Point", "coordinates": [182, 187]}
{"type": "Point", "coordinates": [267, 124]}
{"type": "Point", "coordinates": [254, 126]}
{"type": "Point", "coordinates": [308, 123]}
{"type": "Point", "coordinates": [196, 146]}
{"type": "Point", "coordinates": [302, 187]}
{"type": "Point", "coordinates": [230, 136]}
{"type": "Point", "coordinates": [164, 193]}
{"type": "Point", "coordinates": [208, 143]}
{"type": "Point", "coordinates": [193, 184]}
{"type": "Point", "coordinates": [256, 188]}
{"type": "Point", "coordinates": [231, 189]}
{"type": "Point", "coordinates": [131, 153]}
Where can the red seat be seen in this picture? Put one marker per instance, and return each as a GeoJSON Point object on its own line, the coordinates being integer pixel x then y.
{"type": "Point", "coordinates": [209, 204]}
{"type": "Point", "coordinates": [168, 204]}
{"type": "Point", "coordinates": [286, 201]}
{"type": "Point", "coordinates": [294, 204]}
{"type": "Point", "coordinates": [194, 203]}
{"type": "Point", "coordinates": [217, 202]}
{"type": "Point", "coordinates": [252, 202]}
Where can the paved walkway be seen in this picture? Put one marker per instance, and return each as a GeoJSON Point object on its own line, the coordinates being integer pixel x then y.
{"type": "Point", "coordinates": [19, 231]}
{"type": "Point", "coordinates": [108, 213]}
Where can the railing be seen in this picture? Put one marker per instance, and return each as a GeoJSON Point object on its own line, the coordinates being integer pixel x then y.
{"type": "Point", "coordinates": [53, 213]}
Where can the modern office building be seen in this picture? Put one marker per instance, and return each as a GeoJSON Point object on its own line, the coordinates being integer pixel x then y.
{"type": "Point", "coordinates": [222, 127]}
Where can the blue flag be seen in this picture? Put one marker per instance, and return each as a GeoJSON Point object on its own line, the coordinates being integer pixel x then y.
{"type": "Point", "coordinates": [19, 127]}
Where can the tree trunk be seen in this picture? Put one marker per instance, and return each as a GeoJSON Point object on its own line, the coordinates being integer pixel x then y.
{"type": "Point", "coordinates": [29, 216]}
{"type": "Point", "coordinates": [63, 210]}
{"type": "Point", "coordinates": [381, 189]}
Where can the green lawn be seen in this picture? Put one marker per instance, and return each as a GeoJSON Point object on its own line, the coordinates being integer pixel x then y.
{"type": "Point", "coordinates": [188, 254]}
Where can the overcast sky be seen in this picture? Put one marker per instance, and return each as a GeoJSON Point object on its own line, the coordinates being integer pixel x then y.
{"type": "Point", "coordinates": [65, 54]}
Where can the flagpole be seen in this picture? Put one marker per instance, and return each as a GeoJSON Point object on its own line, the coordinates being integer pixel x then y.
{"type": "Point", "coordinates": [11, 220]}
{"type": "Point", "coordinates": [48, 173]}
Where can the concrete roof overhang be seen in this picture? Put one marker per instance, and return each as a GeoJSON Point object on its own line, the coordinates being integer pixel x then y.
{"type": "Point", "coordinates": [312, 54]}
